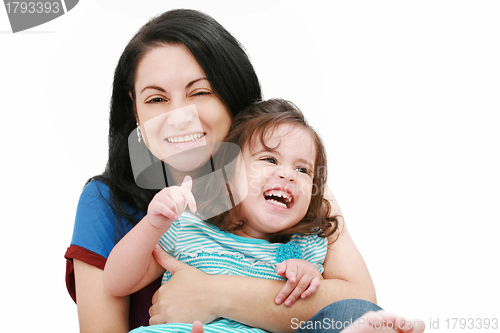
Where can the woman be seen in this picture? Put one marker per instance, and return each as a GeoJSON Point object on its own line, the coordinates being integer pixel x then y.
{"type": "Point", "coordinates": [195, 44]}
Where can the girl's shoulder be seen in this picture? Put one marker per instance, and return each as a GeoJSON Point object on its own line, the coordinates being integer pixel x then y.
{"type": "Point", "coordinates": [313, 247]}
{"type": "Point", "coordinates": [190, 220]}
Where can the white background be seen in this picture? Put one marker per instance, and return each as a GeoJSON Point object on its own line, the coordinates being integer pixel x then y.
{"type": "Point", "coordinates": [404, 93]}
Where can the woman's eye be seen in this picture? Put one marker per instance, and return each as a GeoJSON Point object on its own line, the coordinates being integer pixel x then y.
{"type": "Point", "coordinates": [201, 93]}
{"type": "Point", "coordinates": [155, 100]}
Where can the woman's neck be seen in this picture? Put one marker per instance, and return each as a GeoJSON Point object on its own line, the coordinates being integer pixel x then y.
{"type": "Point", "coordinates": [175, 177]}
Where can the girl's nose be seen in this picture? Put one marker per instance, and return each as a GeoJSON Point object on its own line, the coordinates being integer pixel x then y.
{"type": "Point", "coordinates": [286, 173]}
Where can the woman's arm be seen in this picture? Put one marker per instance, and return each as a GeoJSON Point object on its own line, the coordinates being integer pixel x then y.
{"type": "Point", "coordinates": [130, 265]}
{"type": "Point", "coordinates": [251, 300]}
{"type": "Point", "coordinates": [98, 311]}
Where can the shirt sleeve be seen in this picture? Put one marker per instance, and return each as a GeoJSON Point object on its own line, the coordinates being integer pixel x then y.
{"type": "Point", "coordinates": [96, 227]}
{"type": "Point", "coordinates": [169, 239]}
{"type": "Point", "coordinates": [313, 249]}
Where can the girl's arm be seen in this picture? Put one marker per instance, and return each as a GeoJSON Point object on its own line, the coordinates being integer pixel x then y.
{"type": "Point", "coordinates": [131, 265]}
{"type": "Point", "coordinates": [211, 296]}
{"type": "Point", "coordinates": [98, 311]}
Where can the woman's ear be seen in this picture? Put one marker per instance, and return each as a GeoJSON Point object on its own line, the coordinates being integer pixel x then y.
{"type": "Point", "coordinates": [135, 108]}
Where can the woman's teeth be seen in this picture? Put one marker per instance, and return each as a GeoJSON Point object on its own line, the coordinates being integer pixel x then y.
{"type": "Point", "coordinates": [186, 138]}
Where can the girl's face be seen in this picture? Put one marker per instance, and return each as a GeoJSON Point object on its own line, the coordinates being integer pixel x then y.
{"type": "Point", "coordinates": [177, 110]}
{"type": "Point", "coordinates": [279, 181]}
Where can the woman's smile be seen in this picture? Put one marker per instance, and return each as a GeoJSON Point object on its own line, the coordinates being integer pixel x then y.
{"type": "Point", "coordinates": [185, 138]}
{"type": "Point", "coordinates": [184, 142]}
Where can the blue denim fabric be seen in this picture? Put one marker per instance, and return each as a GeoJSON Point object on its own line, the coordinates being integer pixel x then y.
{"type": "Point", "coordinates": [335, 317]}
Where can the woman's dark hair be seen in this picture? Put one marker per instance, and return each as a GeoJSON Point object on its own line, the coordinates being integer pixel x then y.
{"type": "Point", "coordinates": [222, 59]}
{"type": "Point", "coordinates": [256, 123]}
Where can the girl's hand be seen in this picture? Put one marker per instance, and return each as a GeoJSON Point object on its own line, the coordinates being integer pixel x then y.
{"type": "Point", "coordinates": [197, 327]}
{"type": "Point", "coordinates": [302, 280]}
{"type": "Point", "coordinates": [169, 203]}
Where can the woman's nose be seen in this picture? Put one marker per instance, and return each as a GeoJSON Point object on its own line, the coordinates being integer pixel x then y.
{"type": "Point", "coordinates": [181, 117]}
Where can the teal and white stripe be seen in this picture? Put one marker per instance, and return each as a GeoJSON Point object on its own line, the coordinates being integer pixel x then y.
{"type": "Point", "coordinates": [220, 325]}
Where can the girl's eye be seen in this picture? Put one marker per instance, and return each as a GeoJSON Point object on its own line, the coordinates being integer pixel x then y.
{"type": "Point", "coordinates": [270, 160]}
{"type": "Point", "coordinates": [303, 170]}
{"type": "Point", "coordinates": [155, 100]}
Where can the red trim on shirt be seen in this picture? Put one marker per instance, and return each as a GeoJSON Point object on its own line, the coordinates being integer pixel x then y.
{"type": "Point", "coordinates": [140, 302]}
{"type": "Point", "coordinates": [82, 254]}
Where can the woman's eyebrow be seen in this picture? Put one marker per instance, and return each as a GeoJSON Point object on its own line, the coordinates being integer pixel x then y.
{"type": "Point", "coordinates": [194, 81]}
{"type": "Point", "coordinates": [153, 87]}
{"type": "Point", "coordinates": [163, 90]}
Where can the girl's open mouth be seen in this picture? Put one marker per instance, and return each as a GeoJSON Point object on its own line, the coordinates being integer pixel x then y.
{"type": "Point", "coordinates": [279, 198]}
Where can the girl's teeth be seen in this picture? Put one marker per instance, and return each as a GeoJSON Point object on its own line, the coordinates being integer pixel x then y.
{"type": "Point", "coordinates": [277, 203]}
{"type": "Point", "coordinates": [281, 195]}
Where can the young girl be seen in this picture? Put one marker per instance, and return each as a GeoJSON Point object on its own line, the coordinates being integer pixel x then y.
{"type": "Point", "coordinates": [277, 232]}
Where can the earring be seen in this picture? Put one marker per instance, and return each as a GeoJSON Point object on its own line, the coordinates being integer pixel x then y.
{"type": "Point", "coordinates": [138, 133]}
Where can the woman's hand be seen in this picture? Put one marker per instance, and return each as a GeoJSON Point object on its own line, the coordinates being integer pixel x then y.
{"type": "Point", "coordinates": [169, 203]}
{"type": "Point", "coordinates": [186, 296]}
